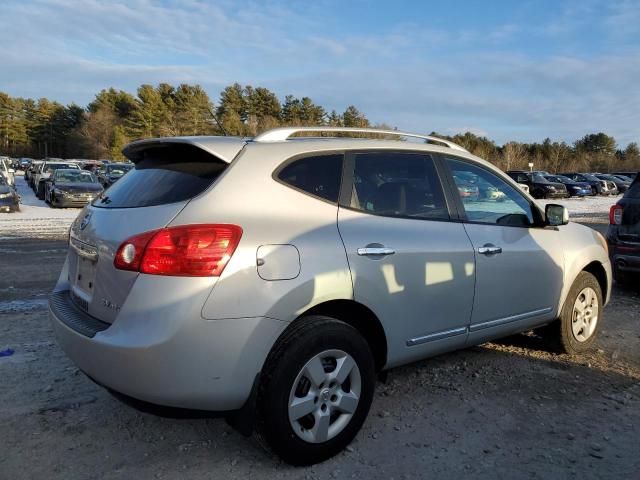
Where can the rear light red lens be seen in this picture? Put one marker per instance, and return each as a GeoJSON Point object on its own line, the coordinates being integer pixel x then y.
{"type": "Point", "coordinates": [188, 250]}
{"type": "Point", "coordinates": [615, 214]}
{"type": "Point", "coordinates": [129, 254]}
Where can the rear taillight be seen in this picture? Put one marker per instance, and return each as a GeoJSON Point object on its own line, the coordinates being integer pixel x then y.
{"type": "Point", "coordinates": [187, 250]}
{"type": "Point", "coordinates": [615, 214]}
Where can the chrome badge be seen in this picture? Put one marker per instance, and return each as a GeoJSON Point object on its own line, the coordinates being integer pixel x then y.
{"type": "Point", "coordinates": [85, 221]}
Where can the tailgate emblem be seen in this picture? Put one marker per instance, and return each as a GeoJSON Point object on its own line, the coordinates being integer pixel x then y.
{"type": "Point", "coordinates": [85, 221]}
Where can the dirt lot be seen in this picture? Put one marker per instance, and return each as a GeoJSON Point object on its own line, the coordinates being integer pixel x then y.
{"type": "Point", "coordinates": [500, 410]}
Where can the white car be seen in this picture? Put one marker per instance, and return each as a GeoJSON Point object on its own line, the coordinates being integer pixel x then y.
{"type": "Point", "coordinates": [6, 171]}
{"type": "Point", "coordinates": [44, 173]}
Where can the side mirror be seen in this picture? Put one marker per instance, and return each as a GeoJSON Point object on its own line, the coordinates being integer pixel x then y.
{"type": "Point", "coordinates": [556, 215]}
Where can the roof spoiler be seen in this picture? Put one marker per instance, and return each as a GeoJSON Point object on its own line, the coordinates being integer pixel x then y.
{"type": "Point", "coordinates": [224, 148]}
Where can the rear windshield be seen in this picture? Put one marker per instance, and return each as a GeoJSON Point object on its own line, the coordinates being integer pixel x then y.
{"type": "Point", "coordinates": [165, 174]}
{"type": "Point", "coordinates": [49, 167]}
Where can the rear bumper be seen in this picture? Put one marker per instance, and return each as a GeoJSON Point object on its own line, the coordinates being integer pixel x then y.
{"type": "Point", "coordinates": [626, 260]}
{"type": "Point", "coordinates": [166, 356]}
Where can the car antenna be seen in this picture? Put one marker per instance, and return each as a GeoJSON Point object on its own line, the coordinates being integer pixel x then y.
{"type": "Point", "coordinates": [215, 117]}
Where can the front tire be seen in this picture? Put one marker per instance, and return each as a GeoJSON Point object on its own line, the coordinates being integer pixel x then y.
{"type": "Point", "coordinates": [577, 327]}
{"type": "Point", "coordinates": [316, 390]}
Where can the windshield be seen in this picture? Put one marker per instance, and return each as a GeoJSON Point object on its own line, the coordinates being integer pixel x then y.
{"type": "Point", "coordinates": [591, 178]}
{"type": "Point", "coordinates": [537, 177]}
{"type": "Point", "coordinates": [118, 170]}
{"type": "Point", "coordinates": [74, 176]}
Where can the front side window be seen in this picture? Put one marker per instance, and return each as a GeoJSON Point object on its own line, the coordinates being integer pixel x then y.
{"type": "Point", "coordinates": [487, 198]}
{"type": "Point", "coordinates": [398, 184]}
{"type": "Point", "coordinates": [318, 175]}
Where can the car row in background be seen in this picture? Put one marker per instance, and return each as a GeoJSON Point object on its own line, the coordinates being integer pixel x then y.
{"type": "Point", "coordinates": [572, 184]}
{"type": "Point", "coordinates": [623, 236]}
{"type": "Point", "coordinates": [73, 182]}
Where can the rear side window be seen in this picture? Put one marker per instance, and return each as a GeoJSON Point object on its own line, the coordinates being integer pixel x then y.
{"type": "Point", "coordinates": [165, 174]}
{"type": "Point", "coordinates": [398, 184]}
{"type": "Point", "coordinates": [318, 175]}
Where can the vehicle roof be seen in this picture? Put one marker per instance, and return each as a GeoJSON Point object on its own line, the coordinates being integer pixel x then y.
{"type": "Point", "coordinates": [226, 148]}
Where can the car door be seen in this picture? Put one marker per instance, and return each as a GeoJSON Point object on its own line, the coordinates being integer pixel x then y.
{"type": "Point", "coordinates": [519, 262]}
{"type": "Point", "coordinates": [410, 264]}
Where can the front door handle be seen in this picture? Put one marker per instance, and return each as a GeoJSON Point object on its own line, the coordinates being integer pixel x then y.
{"type": "Point", "coordinates": [489, 249]}
{"type": "Point", "coordinates": [375, 251]}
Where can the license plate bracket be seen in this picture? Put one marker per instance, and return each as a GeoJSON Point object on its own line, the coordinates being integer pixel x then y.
{"type": "Point", "coordinates": [85, 275]}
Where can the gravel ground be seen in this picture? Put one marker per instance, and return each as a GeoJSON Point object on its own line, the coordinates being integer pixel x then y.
{"type": "Point", "coordinates": [508, 409]}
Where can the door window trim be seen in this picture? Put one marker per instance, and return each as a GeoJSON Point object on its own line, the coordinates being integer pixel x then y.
{"type": "Point", "coordinates": [538, 217]}
{"type": "Point", "coordinates": [347, 184]}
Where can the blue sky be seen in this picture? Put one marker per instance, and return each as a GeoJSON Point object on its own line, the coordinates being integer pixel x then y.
{"type": "Point", "coordinates": [521, 70]}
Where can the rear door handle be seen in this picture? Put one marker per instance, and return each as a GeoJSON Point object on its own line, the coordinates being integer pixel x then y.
{"type": "Point", "coordinates": [489, 249]}
{"type": "Point", "coordinates": [374, 251]}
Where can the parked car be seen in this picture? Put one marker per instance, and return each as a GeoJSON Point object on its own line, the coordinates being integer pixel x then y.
{"type": "Point", "coordinates": [72, 188]}
{"type": "Point", "coordinates": [599, 187]}
{"type": "Point", "coordinates": [623, 235]}
{"type": "Point", "coordinates": [7, 171]}
{"type": "Point", "coordinates": [113, 172]}
{"type": "Point", "coordinates": [621, 185]}
{"type": "Point", "coordinates": [575, 189]}
{"type": "Point", "coordinates": [45, 172]}
{"type": "Point", "coordinates": [539, 186]}
{"type": "Point", "coordinates": [272, 279]}
{"type": "Point", "coordinates": [25, 163]}
{"type": "Point", "coordinates": [38, 171]}
{"type": "Point", "coordinates": [476, 188]}
{"type": "Point", "coordinates": [631, 175]}
{"type": "Point", "coordinates": [31, 170]}
{"type": "Point", "coordinates": [9, 198]}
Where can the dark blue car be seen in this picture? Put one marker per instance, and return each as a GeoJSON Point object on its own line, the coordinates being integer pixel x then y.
{"type": "Point", "coordinates": [575, 189]}
{"type": "Point", "coordinates": [623, 235]}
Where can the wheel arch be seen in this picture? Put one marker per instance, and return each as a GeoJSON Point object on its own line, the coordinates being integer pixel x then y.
{"type": "Point", "coordinates": [359, 317]}
{"type": "Point", "coordinates": [596, 269]}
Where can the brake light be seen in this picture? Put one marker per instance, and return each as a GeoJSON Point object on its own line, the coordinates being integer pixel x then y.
{"type": "Point", "coordinates": [187, 250]}
{"type": "Point", "coordinates": [615, 214]}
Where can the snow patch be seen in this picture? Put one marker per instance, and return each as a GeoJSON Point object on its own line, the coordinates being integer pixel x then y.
{"type": "Point", "coordinates": [35, 218]}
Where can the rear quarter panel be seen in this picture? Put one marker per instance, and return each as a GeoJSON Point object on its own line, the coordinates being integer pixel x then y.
{"type": "Point", "coordinates": [271, 213]}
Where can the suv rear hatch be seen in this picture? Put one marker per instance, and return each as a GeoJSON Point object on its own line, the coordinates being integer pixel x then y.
{"type": "Point", "coordinates": [168, 173]}
{"type": "Point", "coordinates": [629, 228]}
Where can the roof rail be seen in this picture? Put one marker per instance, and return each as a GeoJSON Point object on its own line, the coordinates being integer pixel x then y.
{"type": "Point", "coordinates": [281, 134]}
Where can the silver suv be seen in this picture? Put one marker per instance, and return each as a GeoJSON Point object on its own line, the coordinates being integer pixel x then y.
{"type": "Point", "coordinates": [273, 278]}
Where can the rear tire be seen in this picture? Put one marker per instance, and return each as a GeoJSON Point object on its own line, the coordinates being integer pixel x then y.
{"type": "Point", "coordinates": [577, 327]}
{"type": "Point", "coordinates": [316, 390]}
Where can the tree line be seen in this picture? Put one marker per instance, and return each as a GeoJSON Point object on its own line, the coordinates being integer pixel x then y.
{"type": "Point", "coordinates": [44, 128]}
